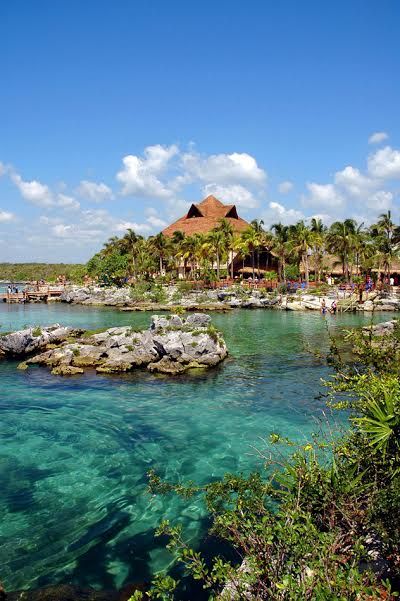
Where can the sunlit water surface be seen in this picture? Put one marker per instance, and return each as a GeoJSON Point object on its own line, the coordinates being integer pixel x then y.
{"type": "Point", "coordinates": [75, 451]}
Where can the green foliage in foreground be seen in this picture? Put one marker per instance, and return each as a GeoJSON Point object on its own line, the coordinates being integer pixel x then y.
{"type": "Point", "coordinates": [323, 524]}
{"type": "Point", "coordinates": [22, 272]}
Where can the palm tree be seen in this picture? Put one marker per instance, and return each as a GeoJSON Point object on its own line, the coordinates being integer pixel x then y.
{"type": "Point", "coordinates": [301, 240]}
{"type": "Point", "coordinates": [159, 244]}
{"type": "Point", "coordinates": [257, 225]}
{"type": "Point", "coordinates": [253, 239]}
{"type": "Point", "coordinates": [187, 250]}
{"type": "Point", "coordinates": [130, 242]}
{"type": "Point", "coordinates": [111, 245]}
{"type": "Point", "coordinates": [216, 241]}
{"type": "Point", "coordinates": [341, 241]}
{"type": "Point", "coordinates": [280, 245]}
{"type": "Point", "coordinates": [226, 228]}
{"type": "Point", "coordinates": [176, 242]}
{"type": "Point", "coordinates": [387, 239]}
{"type": "Point", "coordinates": [318, 230]}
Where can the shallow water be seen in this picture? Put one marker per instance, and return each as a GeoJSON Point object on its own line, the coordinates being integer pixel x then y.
{"type": "Point", "coordinates": [75, 451]}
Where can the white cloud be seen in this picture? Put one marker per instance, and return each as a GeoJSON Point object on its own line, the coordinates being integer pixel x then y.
{"type": "Point", "coordinates": [224, 168]}
{"type": "Point", "coordinates": [322, 195]}
{"type": "Point", "coordinates": [385, 163]}
{"type": "Point", "coordinates": [156, 222]}
{"type": "Point", "coordinates": [276, 212]}
{"type": "Point", "coordinates": [67, 202]}
{"type": "Point", "coordinates": [377, 137]}
{"type": "Point", "coordinates": [2, 169]}
{"type": "Point", "coordinates": [234, 194]}
{"type": "Point", "coordinates": [285, 187]}
{"type": "Point", "coordinates": [6, 216]}
{"type": "Point", "coordinates": [141, 228]}
{"type": "Point", "coordinates": [380, 201]}
{"type": "Point", "coordinates": [33, 191]}
{"type": "Point", "coordinates": [61, 230]}
{"type": "Point", "coordinates": [141, 176]}
{"type": "Point", "coordinates": [354, 182]}
{"type": "Point", "coordinates": [96, 192]}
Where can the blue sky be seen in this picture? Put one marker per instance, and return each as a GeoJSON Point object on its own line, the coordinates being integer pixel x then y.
{"type": "Point", "coordinates": [118, 114]}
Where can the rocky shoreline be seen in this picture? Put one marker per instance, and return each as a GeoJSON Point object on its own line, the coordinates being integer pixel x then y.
{"type": "Point", "coordinates": [172, 345]}
{"type": "Point", "coordinates": [225, 299]}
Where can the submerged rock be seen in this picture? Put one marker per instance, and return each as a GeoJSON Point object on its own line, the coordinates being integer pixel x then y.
{"type": "Point", "coordinates": [66, 592]}
{"type": "Point", "coordinates": [172, 345]}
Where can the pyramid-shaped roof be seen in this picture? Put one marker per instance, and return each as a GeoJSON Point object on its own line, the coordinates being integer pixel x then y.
{"type": "Point", "coordinates": [204, 216]}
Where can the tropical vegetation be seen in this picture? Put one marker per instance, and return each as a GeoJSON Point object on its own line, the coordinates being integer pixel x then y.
{"type": "Point", "coordinates": [321, 520]}
{"type": "Point", "coordinates": [302, 248]}
{"type": "Point", "coordinates": [305, 249]}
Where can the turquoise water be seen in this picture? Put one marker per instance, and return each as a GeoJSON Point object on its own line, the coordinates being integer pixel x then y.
{"type": "Point", "coordinates": [75, 451]}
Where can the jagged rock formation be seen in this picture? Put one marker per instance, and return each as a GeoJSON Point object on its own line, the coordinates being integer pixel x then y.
{"type": "Point", "coordinates": [33, 339]}
{"type": "Point", "coordinates": [172, 345]}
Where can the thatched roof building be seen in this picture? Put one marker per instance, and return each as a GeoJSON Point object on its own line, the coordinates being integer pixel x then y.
{"type": "Point", "coordinates": [204, 216]}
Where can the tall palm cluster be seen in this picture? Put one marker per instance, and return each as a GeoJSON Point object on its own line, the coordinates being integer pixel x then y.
{"type": "Point", "coordinates": [299, 248]}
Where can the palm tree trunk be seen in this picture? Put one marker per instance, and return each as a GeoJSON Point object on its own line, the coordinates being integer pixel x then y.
{"type": "Point", "coordinates": [252, 261]}
{"type": "Point", "coordinates": [161, 265]}
{"type": "Point", "coordinates": [231, 252]}
{"type": "Point", "coordinates": [218, 266]}
{"type": "Point", "coordinates": [306, 269]}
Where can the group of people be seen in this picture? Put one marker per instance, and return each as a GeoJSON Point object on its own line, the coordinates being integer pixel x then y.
{"type": "Point", "coordinates": [332, 309]}
{"type": "Point", "coordinates": [12, 289]}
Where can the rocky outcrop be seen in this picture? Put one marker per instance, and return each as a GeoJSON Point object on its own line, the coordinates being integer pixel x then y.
{"type": "Point", "coordinates": [384, 302]}
{"type": "Point", "coordinates": [27, 341]}
{"type": "Point", "coordinates": [381, 329]}
{"type": "Point", "coordinates": [223, 300]}
{"type": "Point", "coordinates": [172, 345]}
{"type": "Point", "coordinates": [95, 295]}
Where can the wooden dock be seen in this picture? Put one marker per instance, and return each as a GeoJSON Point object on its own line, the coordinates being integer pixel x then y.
{"type": "Point", "coordinates": [39, 294]}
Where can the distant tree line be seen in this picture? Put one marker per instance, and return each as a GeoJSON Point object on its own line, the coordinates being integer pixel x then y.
{"type": "Point", "coordinates": [28, 272]}
{"type": "Point", "coordinates": [299, 249]}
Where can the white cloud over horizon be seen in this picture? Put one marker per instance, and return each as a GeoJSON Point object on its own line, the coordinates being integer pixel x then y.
{"type": "Point", "coordinates": [156, 187]}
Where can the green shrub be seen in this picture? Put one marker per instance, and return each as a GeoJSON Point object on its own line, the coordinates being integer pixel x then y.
{"type": "Point", "coordinates": [302, 525]}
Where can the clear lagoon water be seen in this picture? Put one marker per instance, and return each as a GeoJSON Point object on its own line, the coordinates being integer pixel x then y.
{"type": "Point", "coordinates": [75, 451]}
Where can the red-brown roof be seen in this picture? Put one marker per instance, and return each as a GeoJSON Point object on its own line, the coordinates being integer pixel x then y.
{"type": "Point", "coordinates": [204, 216]}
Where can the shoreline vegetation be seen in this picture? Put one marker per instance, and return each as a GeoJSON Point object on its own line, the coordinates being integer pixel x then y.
{"type": "Point", "coordinates": [353, 266]}
{"type": "Point", "coordinates": [322, 520]}
{"type": "Point", "coordinates": [304, 253]}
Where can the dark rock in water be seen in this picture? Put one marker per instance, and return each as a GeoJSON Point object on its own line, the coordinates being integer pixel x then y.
{"type": "Point", "coordinates": [66, 592]}
{"type": "Point", "coordinates": [3, 595]}
{"type": "Point", "coordinates": [63, 592]}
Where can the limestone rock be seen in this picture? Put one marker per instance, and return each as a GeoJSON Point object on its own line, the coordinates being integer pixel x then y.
{"type": "Point", "coordinates": [66, 370]}
{"type": "Point", "coordinates": [381, 329]}
{"type": "Point", "coordinates": [198, 320]}
{"type": "Point", "coordinates": [169, 346]}
{"type": "Point", "coordinates": [29, 340]}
